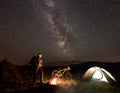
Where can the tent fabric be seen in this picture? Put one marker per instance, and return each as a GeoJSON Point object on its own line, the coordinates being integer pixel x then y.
{"type": "Point", "coordinates": [98, 74]}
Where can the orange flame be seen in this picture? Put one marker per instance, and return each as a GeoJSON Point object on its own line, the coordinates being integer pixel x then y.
{"type": "Point", "coordinates": [53, 81]}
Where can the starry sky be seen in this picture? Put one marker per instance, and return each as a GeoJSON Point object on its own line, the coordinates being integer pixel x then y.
{"type": "Point", "coordinates": [62, 30]}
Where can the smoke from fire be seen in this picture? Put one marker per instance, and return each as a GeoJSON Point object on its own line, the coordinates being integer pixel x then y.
{"type": "Point", "coordinates": [67, 86]}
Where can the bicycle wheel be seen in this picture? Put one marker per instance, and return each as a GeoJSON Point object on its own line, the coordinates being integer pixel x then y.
{"type": "Point", "coordinates": [68, 75]}
{"type": "Point", "coordinates": [54, 74]}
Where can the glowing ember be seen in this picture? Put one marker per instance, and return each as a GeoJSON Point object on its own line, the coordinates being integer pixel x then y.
{"type": "Point", "coordinates": [54, 81]}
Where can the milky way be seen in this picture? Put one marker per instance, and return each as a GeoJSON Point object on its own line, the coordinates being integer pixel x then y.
{"type": "Point", "coordinates": [60, 29]}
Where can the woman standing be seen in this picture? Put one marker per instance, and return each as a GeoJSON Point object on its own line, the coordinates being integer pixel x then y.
{"type": "Point", "coordinates": [38, 72]}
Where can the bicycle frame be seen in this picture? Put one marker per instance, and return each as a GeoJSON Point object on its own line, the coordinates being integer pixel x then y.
{"type": "Point", "coordinates": [62, 71]}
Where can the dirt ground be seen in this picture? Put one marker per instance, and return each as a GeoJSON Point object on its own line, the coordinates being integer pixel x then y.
{"type": "Point", "coordinates": [83, 87]}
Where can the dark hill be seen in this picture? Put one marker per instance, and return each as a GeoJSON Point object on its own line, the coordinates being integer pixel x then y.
{"type": "Point", "coordinates": [8, 72]}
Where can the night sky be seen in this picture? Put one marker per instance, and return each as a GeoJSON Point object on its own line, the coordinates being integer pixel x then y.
{"type": "Point", "coordinates": [63, 30]}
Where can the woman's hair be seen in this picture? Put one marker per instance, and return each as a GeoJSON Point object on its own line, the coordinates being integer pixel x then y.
{"type": "Point", "coordinates": [39, 54]}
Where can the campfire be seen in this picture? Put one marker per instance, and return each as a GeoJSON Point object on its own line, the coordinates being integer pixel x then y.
{"type": "Point", "coordinates": [53, 81]}
{"type": "Point", "coordinates": [56, 81]}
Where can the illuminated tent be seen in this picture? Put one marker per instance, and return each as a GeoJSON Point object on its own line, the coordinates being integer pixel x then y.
{"type": "Point", "coordinates": [99, 75]}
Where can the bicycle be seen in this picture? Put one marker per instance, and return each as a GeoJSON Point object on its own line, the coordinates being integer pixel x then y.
{"type": "Point", "coordinates": [62, 73]}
